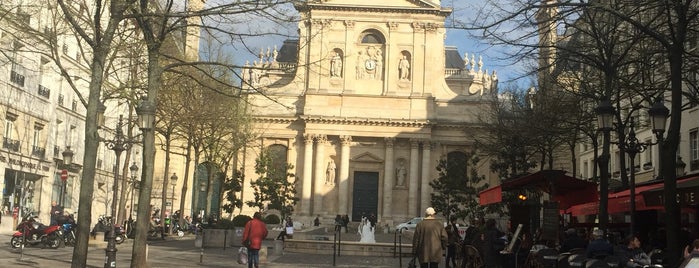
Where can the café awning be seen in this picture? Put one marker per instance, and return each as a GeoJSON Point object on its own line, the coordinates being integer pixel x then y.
{"type": "Point", "coordinates": [687, 193]}
{"type": "Point", "coordinates": [647, 197]}
{"type": "Point", "coordinates": [564, 189]}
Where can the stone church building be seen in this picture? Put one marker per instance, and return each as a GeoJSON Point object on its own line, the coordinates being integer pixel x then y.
{"type": "Point", "coordinates": [364, 104]}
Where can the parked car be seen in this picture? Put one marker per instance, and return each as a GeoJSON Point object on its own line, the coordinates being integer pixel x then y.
{"type": "Point", "coordinates": [409, 224]}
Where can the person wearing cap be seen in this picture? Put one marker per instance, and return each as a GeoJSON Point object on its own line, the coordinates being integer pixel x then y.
{"type": "Point", "coordinates": [599, 247]}
{"type": "Point", "coordinates": [429, 240]}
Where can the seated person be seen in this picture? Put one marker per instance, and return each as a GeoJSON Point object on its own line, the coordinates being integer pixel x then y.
{"type": "Point", "coordinates": [572, 241]}
{"type": "Point", "coordinates": [633, 254]}
{"type": "Point", "coordinates": [599, 247]}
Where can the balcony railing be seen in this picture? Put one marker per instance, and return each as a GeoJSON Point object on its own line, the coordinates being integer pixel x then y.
{"type": "Point", "coordinates": [38, 151]}
{"type": "Point", "coordinates": [56, 152]}
{"type": "Point", "coordinates": [10, 144]}
{"type": "Point", "coordinates": [17, 78]}
{"type": "Point", "coordinates": [44, 91]}
{"type": "Point", "coordinates": [61, 100]}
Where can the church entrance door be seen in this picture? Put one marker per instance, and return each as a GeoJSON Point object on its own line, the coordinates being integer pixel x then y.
{"type": "Point", "coordinates": [366, 194]}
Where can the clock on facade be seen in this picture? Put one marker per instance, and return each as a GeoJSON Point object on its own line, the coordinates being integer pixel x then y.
{"type": "Point", "coordinates": [370, 64]}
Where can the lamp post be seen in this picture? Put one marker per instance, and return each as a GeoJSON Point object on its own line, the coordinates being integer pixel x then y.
{"type": "Point", "coordinates": [118, 144]}
{"type": "Point", "coordinates": [133, 168]}
{"type": "Point", "coordinates": [605, 115]}
{"type": "Point", "coordinates": [173, 182]}
{"type": "Point", "coordinates": [658, 117]}
{"type": "Point", "coordinates": [67, 162]}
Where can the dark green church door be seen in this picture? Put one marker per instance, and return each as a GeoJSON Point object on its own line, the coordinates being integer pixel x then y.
{"type": "Point", "coordinates": [366, 194]}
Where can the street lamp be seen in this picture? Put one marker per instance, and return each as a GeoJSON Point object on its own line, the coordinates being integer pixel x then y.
{"type": "Point", "coordinates": [118, 144]}
{"type": "Point", "coordinates": [133, 168]}
{"type": "Point", "coordinates": [173, 182]}
{"type": "Point", "coordinates": [605, 115]}
{"type": "Point", "coordinates": [67, 161]}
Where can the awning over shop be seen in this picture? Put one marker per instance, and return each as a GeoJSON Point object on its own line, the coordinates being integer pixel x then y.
{"type": "Point", "coordinates": [687, 193]}
{"type": "Point", "coordinates": [564, 189]}
{"type": "Point", "coordinates": [620, 202]}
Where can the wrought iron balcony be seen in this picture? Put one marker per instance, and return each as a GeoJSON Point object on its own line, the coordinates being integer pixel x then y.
{"type": "Point", "coordinates": [10, 144]}
{"type": "Point", "coordinates": [56, 152]}
{"type": "Point", "coordinates": [44, 91]}
{"type": "Point", "coordinates": [61, 100]}
{"type": "Point", "coordinates": [38, 151]}
{"type": "Point", "coordinates": [17, 78]}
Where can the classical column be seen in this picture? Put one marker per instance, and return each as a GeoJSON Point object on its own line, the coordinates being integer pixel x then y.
{"type": "Point", "coordinates": [307, 176]}
{"type": "Point", "coordinates": [319, 178]}
{"type": "Point", "coordinates": [425, 187]}
{"type": "Point", "coordinates": [388, 179]}
{"type": "Point", "coordinates": [412, 191]}
{"type": "Point", "coordinates": [343, 187]}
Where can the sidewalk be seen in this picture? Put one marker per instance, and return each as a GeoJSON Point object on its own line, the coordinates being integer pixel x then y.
{"type": "Point", "coordinates": [182, 253]}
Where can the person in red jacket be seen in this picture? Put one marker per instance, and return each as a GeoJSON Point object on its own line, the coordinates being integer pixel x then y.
{"type": "Point", "coordinates": [255, 232]}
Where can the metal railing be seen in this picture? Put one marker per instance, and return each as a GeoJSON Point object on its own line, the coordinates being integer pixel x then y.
{"type": "Point", "coordinates": [44, 91]}
{"type": "Point", "coordinates": [38, 151]}
{"type": "Point", "coordinates": [17, 78]}
{"type": "Point", "coordinates": [10, 144]}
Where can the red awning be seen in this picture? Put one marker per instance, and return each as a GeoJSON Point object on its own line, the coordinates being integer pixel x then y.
{"type": "Point", "coordinates": [620, 202]}
{"type": "Point", "coordinates": [564, 189]}
{"type": "Point", "coordinates": [490, 196]}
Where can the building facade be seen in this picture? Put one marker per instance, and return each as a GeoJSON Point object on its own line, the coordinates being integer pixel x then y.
{"type": "Point", "coordinates": [364, 104]}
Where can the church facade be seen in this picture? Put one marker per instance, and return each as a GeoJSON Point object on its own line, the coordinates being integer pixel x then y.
{"type": "Point", "coordinates": [364, 104]}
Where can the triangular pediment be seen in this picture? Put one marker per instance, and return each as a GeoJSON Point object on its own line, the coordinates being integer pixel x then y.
{"type": "Point", "coordinates": [367, 157]}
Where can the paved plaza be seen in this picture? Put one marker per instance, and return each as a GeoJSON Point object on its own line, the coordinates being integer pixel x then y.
{"type": "Point", "coordinates": [181, 252]}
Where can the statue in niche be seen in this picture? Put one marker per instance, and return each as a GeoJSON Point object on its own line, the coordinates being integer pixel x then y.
{"type": "Point", "coordinates": [404, 68]}
{"type": "Point", "coordinates": [336, 66]}
{"type": "Point", "coordinates": [401, 173]}
{"type": "Point", "coordinates": [330, 173]}
{"type": "Point", "coordinates": [360, 64]}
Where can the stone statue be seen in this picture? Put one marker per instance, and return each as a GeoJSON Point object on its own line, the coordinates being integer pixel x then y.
{"type": "Point", "coordinates": [401, 173]}
{"type": "Point", "coordinates": [360, 64]}
{"type": "Point", "coordinates": [330, 173]}
{"type": "Point", "coordinates": [404, 68]}
{"type": "Point", "coordinates": [336, 66]}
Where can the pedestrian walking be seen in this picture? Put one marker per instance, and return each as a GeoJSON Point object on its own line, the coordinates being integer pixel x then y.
{"type": "Point", "coordinates": [255, 232]}
{"type": "Point", "coordinates": [492, 244]}
{"type": "Point", "coordinates": [453, 239]}
{"type": "Point", "coordinates": [429, 240]}
{"type": "Point", "coordinates": [56, 211]}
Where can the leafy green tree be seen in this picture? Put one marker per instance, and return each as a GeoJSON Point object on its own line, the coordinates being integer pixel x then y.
{"type": "Point", "coordinates": [275, 187]}
{"type": "Point", "coordinates": [231, 186]}
{"type": "Point", "coordinates": [456, 188]}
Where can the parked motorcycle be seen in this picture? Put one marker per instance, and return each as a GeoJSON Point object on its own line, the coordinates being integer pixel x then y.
{"type": "Point", "coordinates": [69, 225]}
{"type": "Point", "coordinates": [31, 233]}
{"type": "Point", "coordinates": [104, 225]}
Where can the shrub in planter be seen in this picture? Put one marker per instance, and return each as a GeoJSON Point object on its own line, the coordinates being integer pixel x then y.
{"type": "Point", "coordinates": [225, 224]}
{"type": "Point", "coordinates": [272, 219]}
{"type": "Point", "coordinates": [240, 220]}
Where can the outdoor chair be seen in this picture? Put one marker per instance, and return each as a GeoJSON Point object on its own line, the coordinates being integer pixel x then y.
{"type": "Point", "coordinates": [595, 263]}
{"type": "Point", "coordinates": [563, 260]}
{"type": "Point", "coordinates": [472, 258]}
{"type": "Point", "coordinates": [576, 261]}
{"type": "Point", "coordinates": [614, 261]}
{"type": "Point", "coordinates": [547, 257]}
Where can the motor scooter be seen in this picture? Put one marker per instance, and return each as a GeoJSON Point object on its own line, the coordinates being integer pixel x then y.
{"type": "Point", "coordinates": [31, 233]}
{"type": "Point", "coordinates": [104, 225]}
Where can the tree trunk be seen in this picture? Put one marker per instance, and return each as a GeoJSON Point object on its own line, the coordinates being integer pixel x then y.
{"type": "Point", "coordinates": [185, 183]}
{"type": "Point", "coordinates": [138, 257]}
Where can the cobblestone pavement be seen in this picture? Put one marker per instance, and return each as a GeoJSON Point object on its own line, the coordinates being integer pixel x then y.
{"type": "Point", "coordinates": [181, 252]}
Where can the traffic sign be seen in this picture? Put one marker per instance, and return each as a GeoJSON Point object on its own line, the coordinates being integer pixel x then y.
{"type": "Point", "coordinates": [64, 174]}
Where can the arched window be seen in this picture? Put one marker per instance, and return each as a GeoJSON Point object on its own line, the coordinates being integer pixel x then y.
{"type": "Point", "coordinates": [372, 37]}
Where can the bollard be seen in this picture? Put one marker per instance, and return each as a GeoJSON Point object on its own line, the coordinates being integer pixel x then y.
{"type": "Point", "coordinates": [400, 250]}
{"type": "Point", "coordinates": [335, 249]}
{"type": "Point", "coordinates": [339, 241]}
{"type": "Point", "coordinates": [201, 255]}
{"type": "Point", "coordinates": [225, 237]}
